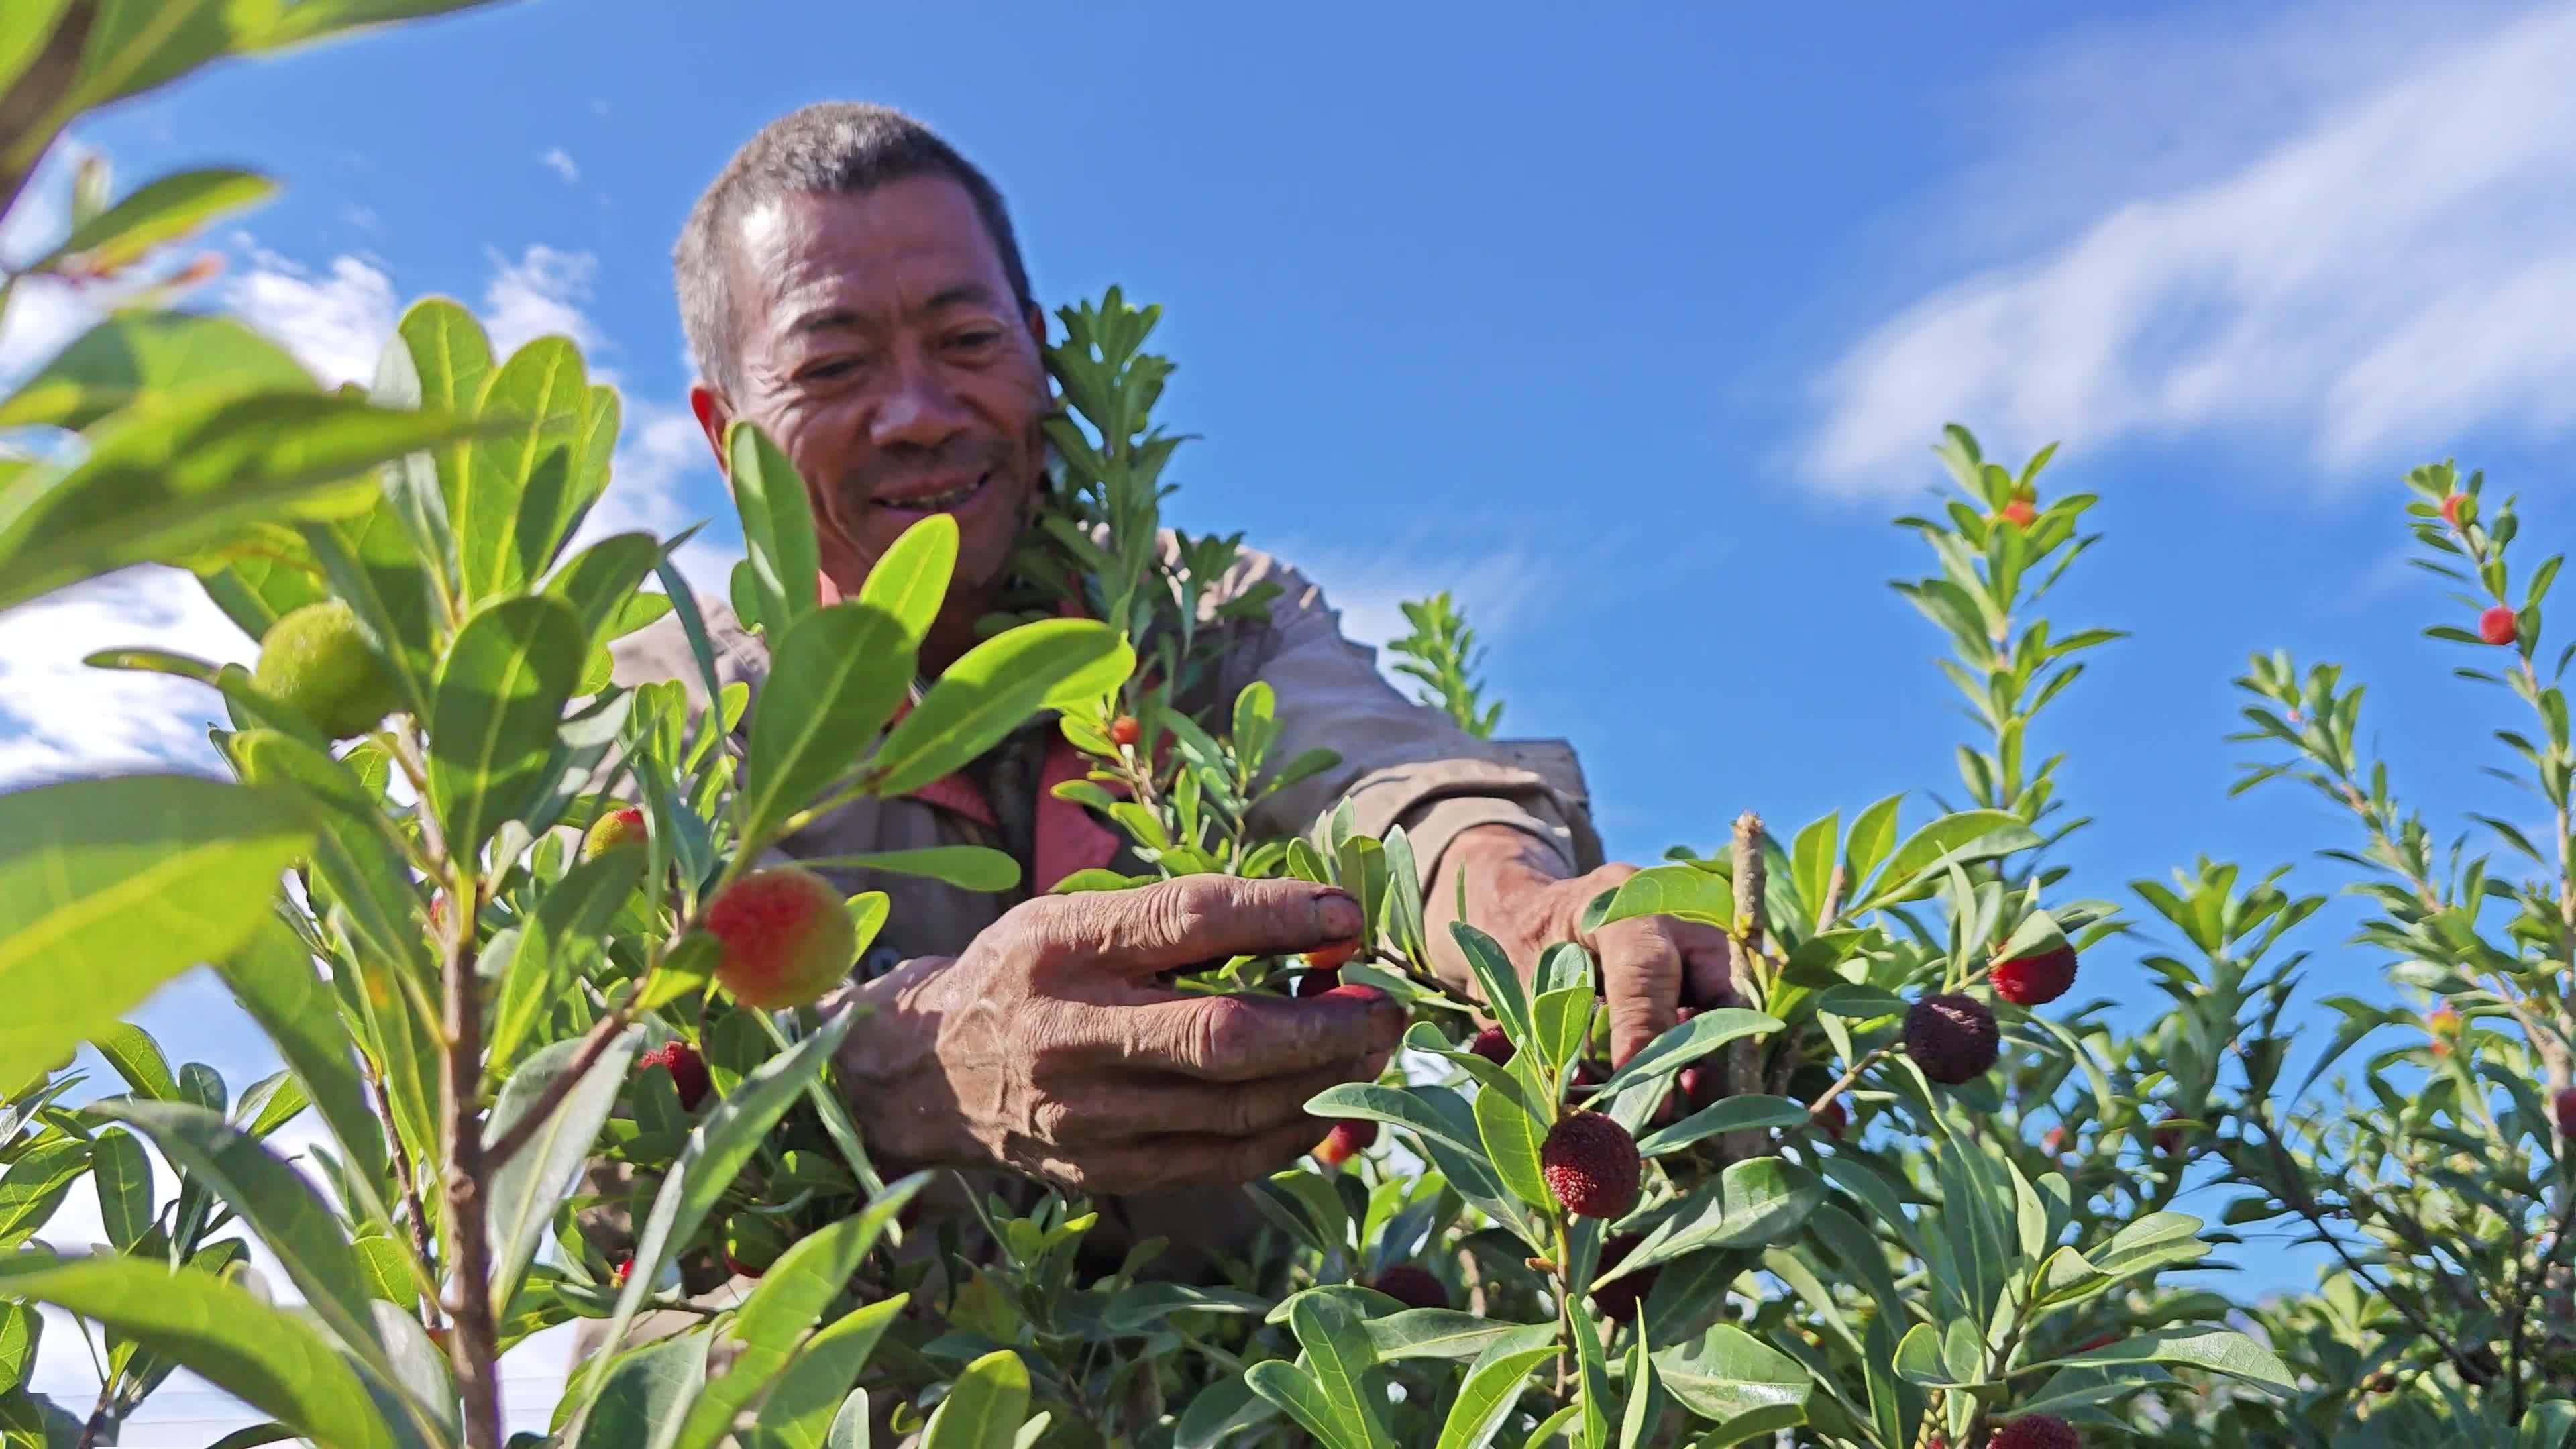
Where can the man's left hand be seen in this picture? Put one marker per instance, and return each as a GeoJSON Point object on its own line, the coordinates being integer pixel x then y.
{"type": "Point", "coordinates": [1518, 894]}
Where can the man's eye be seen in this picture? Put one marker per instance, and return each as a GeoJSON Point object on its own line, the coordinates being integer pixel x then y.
{"type": "Point", "coordinates": [835, 367]}
{"type": "Point", "coordinates": [980, 337]}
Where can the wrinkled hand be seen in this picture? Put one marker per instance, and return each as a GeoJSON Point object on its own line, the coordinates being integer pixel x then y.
{"type": "Point", "coordinates": [1650, 967]}
{"type": "Point", "coordinates": [1049, 1048]}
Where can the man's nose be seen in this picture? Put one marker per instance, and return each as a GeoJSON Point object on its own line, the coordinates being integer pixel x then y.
{"type": "Point", "coordinates": [920, 411]}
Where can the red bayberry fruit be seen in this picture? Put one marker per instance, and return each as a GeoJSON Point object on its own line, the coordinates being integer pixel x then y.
{"type": "Point", "coordinates": [2037, 1431]}
{"type": "Point", "coordinates": [2451, 508]}
{"type": "Point", "coordinates": [688, 1070]}
{"type": "Point", "coordinates": [1494, 1046]}
{"type": "Point", "coordinates": [2040, 977]}
{"type": "Point", "coordinates": [1833, 1119]}
{"type": "Point", "coordinates": [1618, 1299]}
{"type": "Point", "coordinates": [2566, 1107]}
{"type": "Point", "coordinates": [618, 1270]}
{"type": "Point", "coordinates": [2019, 513]}
{"type": "Point", "coordinates": [1590, 1163]}
{"type": "Point", "coordinates": [2103, 1340]}
{"type": "Point", "coordinates": [1124, 730]}
{"type": "Point", "coordinates": [2169, 1139]}
{"type": "Point", "coordinates": [1346, 1140]}
{"type": "Point", "coordinates": [1413, 1286]}
{"type": "Point", "coordinates": [2055, 1142]}
{"type": "Point", "coordinates": [616, 828]}
{"type": "Point", "coordinates": [787, 937]}
{"type": "Point", "coordinates": [2498, 625]}
{"type": "Point", "coordinates": [1332, 957]}
{"type": "Point", "coordinates": [1952, 1037]}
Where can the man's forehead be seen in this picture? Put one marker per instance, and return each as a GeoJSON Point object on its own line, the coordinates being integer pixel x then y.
{"type": "Point", "coordinates": [908, 244]}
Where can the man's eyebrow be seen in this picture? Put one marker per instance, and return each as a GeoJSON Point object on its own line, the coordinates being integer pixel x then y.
{"type": "Point", "coordinates": [838, 318]}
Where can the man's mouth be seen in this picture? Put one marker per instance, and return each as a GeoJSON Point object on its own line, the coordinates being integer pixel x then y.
{"type": "Point", "coordinates": [945, 501]}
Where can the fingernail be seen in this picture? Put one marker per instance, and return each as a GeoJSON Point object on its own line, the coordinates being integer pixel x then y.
{"type": "Point", "coordinates": [1337, 914]}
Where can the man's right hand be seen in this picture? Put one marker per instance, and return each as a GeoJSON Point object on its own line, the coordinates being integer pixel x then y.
{"type": "Point", "coordinates": [1049, 1048]}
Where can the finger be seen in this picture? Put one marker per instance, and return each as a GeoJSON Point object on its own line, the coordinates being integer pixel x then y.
{"type": "Point", "coordinates": [1138, 933]}
{"type": "Point", "coordinates": [1249, 1037]}
{"type": "Point", "coordinates": [1708, 966]}
{"type": "Point", "coordinates": [1120, 1109]}
{"type": "Point", "coordinates": [1641, 973]}
{"type": "Point", "coordinates": [1180, 1159]}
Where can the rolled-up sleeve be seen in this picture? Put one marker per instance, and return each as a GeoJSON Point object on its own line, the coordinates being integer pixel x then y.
{"type": "Point", "coordinates": [1401, 763]}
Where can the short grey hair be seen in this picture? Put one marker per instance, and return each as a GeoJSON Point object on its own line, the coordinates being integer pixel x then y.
{"type": "Point", "coordinates": [835, 147]}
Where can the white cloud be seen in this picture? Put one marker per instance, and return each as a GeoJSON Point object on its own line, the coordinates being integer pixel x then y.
{"type": "Point", "coordinates": [58, 717]}
{"type": "Point", "coordinates": [2394, 259]}
{"type": "Point", "coordinates": [559, 161]}
{"type": "Point", "coordinates": [539, 295]}
{"type": "Point", "coordinates": [1368, 586]}
{"type": "Point", "coordinates": [335, 323]}
{"type": "Point", "coordinates": [662, 480]}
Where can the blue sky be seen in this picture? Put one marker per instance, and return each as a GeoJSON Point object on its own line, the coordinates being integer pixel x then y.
{"type": "Point", "coordinates": [1634, 327]}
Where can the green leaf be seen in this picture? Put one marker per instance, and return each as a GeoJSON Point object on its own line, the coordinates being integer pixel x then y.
{"type": "Point", "coordinates": [792, 1294]}
{"type": "Point", "coordinates": [1731, 1377]}
{"type": "Point", "coordinates": [157, 213]}
{"type": "Point", "coordinates": [112, 886]}
{"type": "Point", "coordinates": [1968, 836]}
{"type": "Point", "coordinates": [1447, 1333]}
{"type": "Point", "coordinates": [519, 478]}
{"type": "Point", "coordinates": [715, 1151]}
{"type": "Point", "coordinates": [1753, 1203]}
{"type": "Point", "coordinates": [276, 984]}
{"type": "Point", "coordinates": [983, 697]}
{"type": "Point", "coordinates": [1687, 1043]}
{"type": "Point", "coordinates": [1813, 861]}
{"type": "Point", "coordinates": [600, 584]}
{"type": "Point", "coordinates": [984, 1407]}
{"type": "Point", "coordinates": [1295, 1391]}
{"type": "Point", "coordinates": [1732, 1114]}
{"type": "Point", "coordinates": [134, 352]}
{"type": "Point", "coordinates": [277, 1202]}
{"type": "Point", "coordinates": [1560, 1020]}
{"type": "Point", "coordinates": [1227, 1406]}
{"type": "Point", "coordinates": [647, 1396]}
{"type": "Point", "coordinates": [138, 1059]}
{"type": "Point", "coordinates": [800, 1413]}
{"type": "Point", "coordinates": [36, 1184]}
{"type": "Point", "coordinates": [123, 1179]}
{"type": "Point", "coordinates": [967, 867]}
{"type": "Point", "coordinates": [1497, 982]}
{"type": "Point", "coordinates": [1394, 1106]}
{"type": "Point", "coordinates": [527, 1189]}
{"type": "Point", "coordinates": [1873, 835]}
{"type": "Point", "coordinates": [560, 941]}
{"type": "Point", "coordinates": [212, 1327]}
{"type": "Point", "coordinates": [1339, 1358]}
{"type": "Point", "coordinates": [2219, 1350]}
{"type": "Point", "coordinates": [1511, 1138]}
{"type": "Point", "coordinates": [837, 674]}
{"type": "Point", "coordinates": [1491, 1391]}
{"type": "Point", "coordinates": [911, 581]}
{"type": "Point", "coordinates": [1683, 891]}
{"type": "Point", "coordinates": [175, 472]}
{"type": "Point", "coordinates": [777, 529]}
{"type": "Point", "coordinates": [451, 364]}
{"type": "Point", "coordinates": [494, 709]}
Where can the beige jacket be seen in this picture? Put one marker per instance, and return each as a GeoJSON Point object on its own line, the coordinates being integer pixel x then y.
{"type": "Point", "coordinates": [1401, 764]}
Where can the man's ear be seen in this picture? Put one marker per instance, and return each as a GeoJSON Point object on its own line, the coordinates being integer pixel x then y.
{"type": "Point", "coordinates": [1035, 316]}
{"type": "Point", "coordinates": [714, 416]}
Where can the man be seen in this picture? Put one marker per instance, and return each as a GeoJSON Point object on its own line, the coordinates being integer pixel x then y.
{"type": "Point", "coordinates": [853, 286]}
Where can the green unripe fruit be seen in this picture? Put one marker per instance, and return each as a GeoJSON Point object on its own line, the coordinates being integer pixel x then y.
{"type": "Point", "coordinates": [316, 662]}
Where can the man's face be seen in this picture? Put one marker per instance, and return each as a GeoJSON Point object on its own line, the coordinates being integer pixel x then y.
{"type": "Point", "coordinates": [880, 345]}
